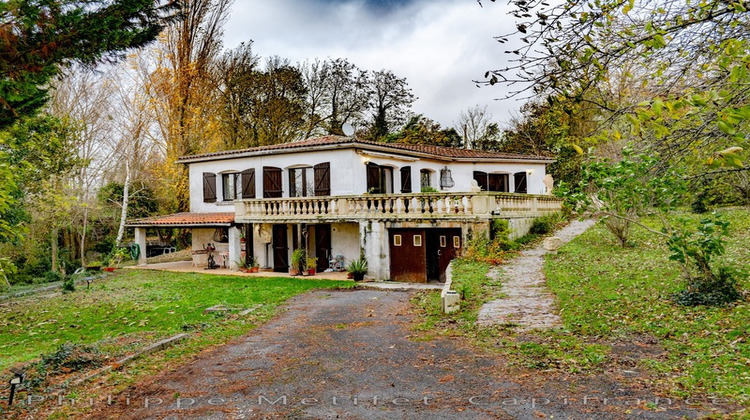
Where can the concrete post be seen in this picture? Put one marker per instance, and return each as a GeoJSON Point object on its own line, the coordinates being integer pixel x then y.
{"type": "Point", "coordinates": [235, 248]}
{"type": "Point", "coordinates": [140, 240]}
{"type": "Point", "coordinates": [373, 239]}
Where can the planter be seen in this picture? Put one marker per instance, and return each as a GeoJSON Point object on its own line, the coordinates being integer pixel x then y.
{"type": "Point", "coordinates": [358, 276]}
{"type": "Point", "coordinates": [246, 270]}
{"type": "Point", "coordinates": [255, 269]}
{"type": "Point", "coordinates": [293, 272]}
{"type": "Point", "coordinates": [349, 276]}
{"type": "Point", "coordinates": [311, 271]}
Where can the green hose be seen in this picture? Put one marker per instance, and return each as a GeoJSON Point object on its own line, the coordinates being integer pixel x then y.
{"type": "Point", "coordinates": [135, 251]}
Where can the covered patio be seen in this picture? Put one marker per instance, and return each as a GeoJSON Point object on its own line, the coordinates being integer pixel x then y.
{"type": "Point", "coordinates": [215, 229]}
{"type": "Point", "coordinates": [189, 267]}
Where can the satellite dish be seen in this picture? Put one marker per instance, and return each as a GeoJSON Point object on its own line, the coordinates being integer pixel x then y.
{"type": "Point", "coordinates": [347, 129]}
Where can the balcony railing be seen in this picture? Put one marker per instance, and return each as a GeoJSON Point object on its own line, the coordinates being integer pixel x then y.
{"type": "Point", "coordinates": [396, 206]}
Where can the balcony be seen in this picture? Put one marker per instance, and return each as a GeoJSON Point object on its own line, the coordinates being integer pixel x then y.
{"type": "Point", "coordinates": [395, 207]}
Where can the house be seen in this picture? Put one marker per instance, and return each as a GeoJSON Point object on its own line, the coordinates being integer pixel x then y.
{"type": "Point", "coordinates": [408, 209]}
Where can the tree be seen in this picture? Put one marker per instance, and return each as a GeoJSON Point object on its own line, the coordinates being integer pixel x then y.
{"type": "Point", "coordinates": [672, 74]}
{"type": "Point", "coordinates": [477, 129]}
{"type": "Point", "coordinates": [39, 37]}
{"type": "Point", "coordinates": [183, 91]}
{"type": "Point", "coordinates": [390, 101]}
{"type": "Point", "coordinates": [422, 130]}
{"type": "Point", "coordinates": [347, 95]}
{"type": "Point", "coordinates": [235, 71]}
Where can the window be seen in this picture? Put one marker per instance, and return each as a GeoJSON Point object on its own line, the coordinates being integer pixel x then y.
{"type": "Point", "coordinates": [323, 179]}
{"type": "Point", "coordinates": [379, 179]}
{"type": "Point", "coordinates": [417, 240]}
{"type": "Point", "coordinates": [406, 179]}
{"type": "Point", "coordinates": [491, 182]}
{"type": "Point", "coordinates": [443, 241]}
{"type": "Point", "coordinates": [301, 182]}
{"type": "Point", "coordinates": [209, 187]}
{"type": "Point", "coordinates": [231, 186]}
{"type": "Point", "coordinates": [519, 178]}
{"type": "Point", "coordinates": [396, 240]}
{"type": "Point", "coordinates": [425, 180]}
{"type": "Point", "coordinates": [456, 242]}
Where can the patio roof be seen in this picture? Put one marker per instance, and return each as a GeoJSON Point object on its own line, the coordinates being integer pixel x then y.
{"type": "Point", "coordinates": [184, 220]}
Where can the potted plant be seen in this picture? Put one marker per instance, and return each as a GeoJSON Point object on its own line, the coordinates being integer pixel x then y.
{"type": "Point", "coordinates": [298, 259]}
{"type": "Point", "coordinates": [312, 264]}
{"type": "Point", "coordinates": [243, 265]}
{"type": "Point", "coordinates": [255, 267]}
{"type": "Point", "coordinates": [358, 269]}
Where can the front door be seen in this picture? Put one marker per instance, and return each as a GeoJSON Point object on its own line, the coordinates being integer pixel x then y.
{"type": "Point", "coordinates": [408, 255]}
{"type": "Point", "coordinates": [323, 246]}
{"type": "Point", "coordinates": [280, 249]}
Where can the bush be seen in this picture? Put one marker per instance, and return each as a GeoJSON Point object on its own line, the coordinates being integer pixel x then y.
{"type": "Point", "coordinates": [545, 224]}
{"type": "Point", "coordinates": [52, 276]}
{"type": "Point", "coordinates": [67, 358]}
{"type": "Point", "coordinates": [716, 291]}
{"type": "Point", "coordinates": [69, 284]}
{"type": "Point", "coordinates": [700, 203]}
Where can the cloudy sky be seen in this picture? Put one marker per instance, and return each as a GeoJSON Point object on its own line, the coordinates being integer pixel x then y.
{"type": "Point", "coordinates": [440, 46]}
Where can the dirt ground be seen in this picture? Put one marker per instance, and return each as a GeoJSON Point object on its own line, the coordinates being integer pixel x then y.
{"type": "Point", "coordinates": [352, 354]}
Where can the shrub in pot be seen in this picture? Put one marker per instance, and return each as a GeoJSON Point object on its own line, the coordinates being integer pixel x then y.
{"type": "Point", "coordinates": [358, 269]}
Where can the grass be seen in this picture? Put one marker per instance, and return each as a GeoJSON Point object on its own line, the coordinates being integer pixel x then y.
{"type": "Point", "coordinates": [141, 306]}
{"type": "Point", "coordinates": [610, 292]}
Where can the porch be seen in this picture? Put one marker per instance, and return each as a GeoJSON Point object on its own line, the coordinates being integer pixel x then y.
{"type": "Point", "coordinates": [395, 207]}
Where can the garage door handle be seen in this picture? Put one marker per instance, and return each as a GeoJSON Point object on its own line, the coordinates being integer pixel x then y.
{"type": "Point", "coordinates": [439, 251]}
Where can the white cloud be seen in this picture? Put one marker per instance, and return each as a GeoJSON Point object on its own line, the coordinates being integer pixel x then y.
{"type": "Point", "coordinates": [440, 46]}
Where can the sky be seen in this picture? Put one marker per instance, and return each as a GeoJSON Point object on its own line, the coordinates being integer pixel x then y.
{"type": "Point", "coordinates": [439, 46]}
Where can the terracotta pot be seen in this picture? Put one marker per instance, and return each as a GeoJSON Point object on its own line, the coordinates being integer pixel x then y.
{"type": "Point", "coordinates": [311, 271]}
{"type": "Point", "coordinates": [255, 269]}
{"type": "Point", "coordinates": [349, 276]}
{"type": "Point", "coordinates": [293, 272]}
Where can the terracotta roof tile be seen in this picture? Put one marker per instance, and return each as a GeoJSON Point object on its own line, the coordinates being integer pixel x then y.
{"type": "Point", "coordinates": [184, 219]}
{"type": "Point", "coordinates": [438, 152]}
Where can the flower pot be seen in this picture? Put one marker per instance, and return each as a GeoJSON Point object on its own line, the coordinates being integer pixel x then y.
{"type": "Point", "coordinates": [311, 271]}
{"type": "Point", "coordinates": [255, 269]}
{"type": "Point", "coordinates": [293, 272]}
{"type": "Point", "coordinates": [358, 276]}
{"type": "Point", "coordinates": [349, 276]}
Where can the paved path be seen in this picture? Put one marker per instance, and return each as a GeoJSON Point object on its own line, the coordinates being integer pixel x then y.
{"type": "Point", "coordinates": [527, 304]}
{"type": "Point", "coordinates": [353, 355]}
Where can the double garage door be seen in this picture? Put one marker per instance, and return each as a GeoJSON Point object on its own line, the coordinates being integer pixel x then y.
{"type": "Point", "coordinates": [422, 255]}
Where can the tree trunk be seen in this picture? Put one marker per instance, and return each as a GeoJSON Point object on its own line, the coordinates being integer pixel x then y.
{"type": "Point", "coordinates": [83, 236]}
{"type": "Point", "coordinates": [53, 240]}
{"type": "Point", "coordinates": [125, 200]}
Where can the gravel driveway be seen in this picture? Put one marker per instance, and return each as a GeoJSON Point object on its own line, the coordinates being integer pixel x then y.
{"type": "Point", "coordinates": [351, 354]}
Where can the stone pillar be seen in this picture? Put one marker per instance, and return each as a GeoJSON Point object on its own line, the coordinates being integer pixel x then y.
{"type": "Point", "coordinates": [140, 240]}
{"type": "Point", "coordinates": [373, 239]}
{"type": "Point", "coordinates": [235, 248]}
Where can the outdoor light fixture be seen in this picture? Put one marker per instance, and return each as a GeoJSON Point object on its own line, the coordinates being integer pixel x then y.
{"type": "Point", "coordinates": [17, 379]}
{"type": "Point", "coordinates": [446, 179]}
{"type": "Point", "coordinates": [529, 171]}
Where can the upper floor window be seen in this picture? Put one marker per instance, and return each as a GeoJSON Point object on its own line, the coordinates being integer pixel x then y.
{"type": "Point", "coordinates": [209, 187]}
{"type": "Point", "coordinates": [231, 186]}
{"type": "Point", "coordinates": [379, 179]}
{"type": "Point", "coordinates": [301, 182]}
{"type": "Point", "coordinates": [271, 182]}
{"type": "Point", "coordinates": [425, 180]}
{"type": "Point", "coordinates": [492, 182]}
{"type": "Point", "coordinates": [406, 179]}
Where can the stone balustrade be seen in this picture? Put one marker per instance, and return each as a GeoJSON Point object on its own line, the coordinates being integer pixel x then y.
{"type": "Point", "coordinates": [417, 206]}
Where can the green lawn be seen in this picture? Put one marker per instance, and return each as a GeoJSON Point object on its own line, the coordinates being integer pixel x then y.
{"type": "Point", "coordinates": [140, 305]}
{"type": "Point", "coordinates": [607, 292]}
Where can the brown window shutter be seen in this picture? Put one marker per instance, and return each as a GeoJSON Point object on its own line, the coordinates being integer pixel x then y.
{"type": "Point", "coordinates": [481, 178]}
{"type": "Point", "coordinates": [373, 179]}
{"type": "Point", "coordinates": [272, 182]}
{"type": "Point", "coordinates": [322, 178]}
{"type": "Point", "coordinates": [209, 187]}
{"type": "Point", "coordinates": [520, 180]}
{"type": "Point", "coordinates": [406, 179]}
{"type": "Point", "coordinates": [248, 183]}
